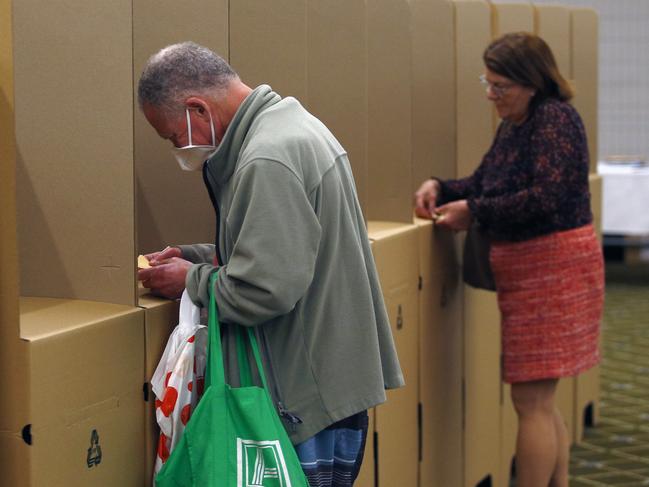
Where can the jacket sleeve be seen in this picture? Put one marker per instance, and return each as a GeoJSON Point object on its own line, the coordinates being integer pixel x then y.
{"type": "Point", "coordinates": [274, 236]}
{"type": "Point", "coordinates": [198, 253]}
{"type": "Point", "coordinates": [555, 164]}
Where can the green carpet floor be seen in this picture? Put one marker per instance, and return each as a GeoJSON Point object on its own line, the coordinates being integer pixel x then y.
{"type": "Point", "coordinates": [615, 452]}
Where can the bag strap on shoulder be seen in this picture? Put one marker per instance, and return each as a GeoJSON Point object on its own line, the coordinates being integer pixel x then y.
{"type": "Point", "coordinates": [215, 373]}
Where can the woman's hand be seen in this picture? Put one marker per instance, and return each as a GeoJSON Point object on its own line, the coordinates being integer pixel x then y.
{"type": "Point", "coordinates": [454, 215]}
{"type": "Point", "coordinates": [426, 198]}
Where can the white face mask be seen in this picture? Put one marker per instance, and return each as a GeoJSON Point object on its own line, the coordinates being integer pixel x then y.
{"type": "Point", "coordinates": [191, 157]}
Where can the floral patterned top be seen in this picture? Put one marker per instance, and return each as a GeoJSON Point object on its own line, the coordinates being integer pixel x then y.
{"type": "Point", "coordinates": [533, 180]}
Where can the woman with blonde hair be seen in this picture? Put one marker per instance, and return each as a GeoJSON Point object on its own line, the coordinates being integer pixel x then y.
{"type": "Point", "coordinates": [530, 197]}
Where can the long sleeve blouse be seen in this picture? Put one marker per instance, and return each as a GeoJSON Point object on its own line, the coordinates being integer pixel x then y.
{"type": "Point", "coordinates": [533, 180]}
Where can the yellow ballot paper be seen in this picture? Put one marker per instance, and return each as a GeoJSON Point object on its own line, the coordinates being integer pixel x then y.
{"type": "Point", "coordinates": [142, 262]}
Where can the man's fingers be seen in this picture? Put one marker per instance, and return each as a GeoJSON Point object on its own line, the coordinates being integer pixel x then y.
{"type": "Point", "coordinates": [144, 274]}
{"type": "Point", "coordinates": [167, 254]}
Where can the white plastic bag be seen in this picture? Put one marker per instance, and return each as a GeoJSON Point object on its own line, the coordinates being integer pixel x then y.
{"type": "Point", "coordinates": [179, 378]}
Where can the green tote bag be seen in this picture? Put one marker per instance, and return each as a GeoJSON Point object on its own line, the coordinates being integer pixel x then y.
{"type": "Point", "coordinates": [234, 437]}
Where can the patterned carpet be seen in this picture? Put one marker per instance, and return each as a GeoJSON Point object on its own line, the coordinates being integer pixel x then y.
{"type": "Point", "coordinates": [616, 451]}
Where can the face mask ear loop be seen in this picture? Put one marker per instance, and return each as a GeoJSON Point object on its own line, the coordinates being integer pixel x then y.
{"type": "Point", "coordinates": [189, 126]}
{"type": "Point", "coordinates": [212, 127]}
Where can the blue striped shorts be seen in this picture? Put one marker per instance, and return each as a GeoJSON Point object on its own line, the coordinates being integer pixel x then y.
{"type": "Point", "coordinates": [333, 457]}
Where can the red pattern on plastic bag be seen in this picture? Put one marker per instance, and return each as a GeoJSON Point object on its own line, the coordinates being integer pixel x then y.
{"type": "Point", "coordinates": [182, 364]}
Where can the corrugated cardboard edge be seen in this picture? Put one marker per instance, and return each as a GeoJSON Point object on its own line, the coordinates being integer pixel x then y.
{"type": "Point", "coordinates": [14, 461]}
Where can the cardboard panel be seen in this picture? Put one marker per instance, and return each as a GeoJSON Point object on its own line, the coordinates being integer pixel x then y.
{"type": "Point", "coordinates": [482, 383]}
{"type": "Point", "coordinates": [389, 81]}
{"type": "Point", "coordinates": [268, 44]}
{"type": "Point", "coordinates": [511, 17]}
{"type": "Point", "coordinates": [440, 353]}
{"type": "Point", "coordinates": [337, 77]}
{"type": "Point", "coordinates": [13, 457]}
{"type": "Point", "coordinates": [433, 90]}
{"type": "Point", "coordinates": [585, 73]}
{"type": "Point", "coordinates": [595, 186]}
{"type": "Point", "coordinates": [166, 195]}
{"type": "Point", "coordinates": [395, 252]}
{"type": "Point", "coordinates": [474, 111]}
{"type": "Point", "coordinates": [587, 385]}
{"type": "Point", "coordinates": [86, 367]}
{"type": "Point", "coordinates": [74, 139]}
{"type": "Point", "coordinates": [587, 394]}
{"type": "Point", "coordinates": [160, 318]}
{"type": "Point", "coordinates": [552, 23]}
{"type": "Point", "coordinates": [366, 476]}
{"type": "Point", "coordinates": [565, 402]}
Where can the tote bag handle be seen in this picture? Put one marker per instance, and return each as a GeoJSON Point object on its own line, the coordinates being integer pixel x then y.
{"type": "Point", "coordinates": [215, 369]}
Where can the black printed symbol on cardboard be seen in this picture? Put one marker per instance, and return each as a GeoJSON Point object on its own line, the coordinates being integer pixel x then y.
{"type": "Point", "coordinates": [94, 452]}
{"type": "Point", "coordinates": [399, 318]}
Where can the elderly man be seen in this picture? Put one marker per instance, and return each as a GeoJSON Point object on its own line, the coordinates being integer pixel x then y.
{"type": "Point", "coordinates": [293, 255]}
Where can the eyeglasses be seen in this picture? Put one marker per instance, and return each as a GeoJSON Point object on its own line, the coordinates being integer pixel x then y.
{"type": "Point", "coordinates": [498, 89]}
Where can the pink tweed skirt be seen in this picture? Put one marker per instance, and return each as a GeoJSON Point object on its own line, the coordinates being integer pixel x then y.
{"type": "Point", "coordinates": [551, 297]}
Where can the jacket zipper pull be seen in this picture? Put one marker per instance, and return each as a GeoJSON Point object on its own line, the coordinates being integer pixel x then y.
{"type": "Point", "coordinates": [291, 418]}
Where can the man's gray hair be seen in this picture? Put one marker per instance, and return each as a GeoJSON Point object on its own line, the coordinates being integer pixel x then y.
{"type": "Point", "coordinates": [182, 70]}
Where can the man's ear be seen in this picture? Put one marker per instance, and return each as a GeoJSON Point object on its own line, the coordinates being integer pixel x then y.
{"type": "Point", "coordinates": [199, 106]}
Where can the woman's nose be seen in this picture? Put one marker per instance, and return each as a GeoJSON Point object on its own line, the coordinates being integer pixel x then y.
{"type": "Point", "coordinates": [491, 96]}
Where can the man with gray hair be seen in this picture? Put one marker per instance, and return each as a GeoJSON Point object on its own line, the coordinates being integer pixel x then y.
{"type": "Point", "coordinates": [292, 252]}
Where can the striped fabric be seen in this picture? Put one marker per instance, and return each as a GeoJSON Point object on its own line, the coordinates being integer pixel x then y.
{"type": "Point", "coordinates": [332, 458]}
{"type": "Point", "coordinates": [550, 294]}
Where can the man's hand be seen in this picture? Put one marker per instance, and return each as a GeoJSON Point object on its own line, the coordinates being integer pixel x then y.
{"type": "Point", "coordinates": [425, 199]}
{"type": "Point", "coordinates": [164, 254]}
{"type": "Point", "coordinates": [455, 215]}
{"type": "Point", "coordinates": [166, 276]}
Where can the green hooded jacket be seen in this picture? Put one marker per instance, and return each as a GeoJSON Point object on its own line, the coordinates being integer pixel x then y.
{"type": "Point", "coordinates": [296, 264]}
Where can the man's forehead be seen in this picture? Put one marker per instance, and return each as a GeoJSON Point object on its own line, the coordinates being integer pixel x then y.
{"type": "Point", "coordinates": [158, 119]}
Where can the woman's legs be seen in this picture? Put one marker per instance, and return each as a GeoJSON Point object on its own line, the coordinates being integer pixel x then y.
{"type": "Point", "coordinates": [540, 442]}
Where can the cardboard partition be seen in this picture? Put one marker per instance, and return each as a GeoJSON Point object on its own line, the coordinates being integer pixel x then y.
{"type": "Point", "coordinates": [268, 44]}
{"type": "Point", "coordinates": [85, 362]}
{"type": "Point", "coordinates": [172, 205]}
{"type": "Point", "coordinates": [366, 476]}
{"type": "Point", "coordinates": [389, 104]}
{"type": "Point", "coordinates": [587, 384]}
{"type": "Point", "coordinates": [348, 81]}
{"type": "Point", "coordinates": [74, 137]}
{"type": "Point", "coordinates": [584, 40]}
{"type": "Point", "coordinates": [511, 17]}
{"type": "Point", "coordinates": [395, 250]}
{"type": "Point", "coordinates": [482, 384]}
{"type": "Point", "coordinates": [77, 195]}
{"type": "Point", "coordinates": [595, 186]}
{"type": "Point", "coordinates": [14, 377]}
{"type": "Point", "coordinates": [552, 23]}
{"type": "Point", "coordinates": [160, 318]}
{"type": "Point", "coordinates": [565, 402]}
{"type": "Point", "coordinates": [474, 111]}
{"type": "Point", "coordinates": [336, 69]}
{"type": "Point", "coordinates": [433, 91]}
{"type": "Point", "coordinates": [587, 394]}
{"type": "Point", "coordinates": [440, 358]}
